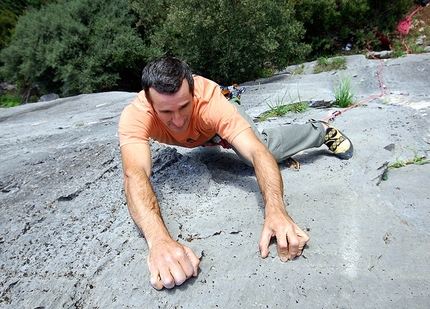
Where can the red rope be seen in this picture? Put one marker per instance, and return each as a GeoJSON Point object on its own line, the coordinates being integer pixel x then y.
{"type": "Point", "coordinates": [381, 86]}
{"type": "Point", "coordinates": [403, 29]}
{"type": "Point", "coordinates": [404, 26]}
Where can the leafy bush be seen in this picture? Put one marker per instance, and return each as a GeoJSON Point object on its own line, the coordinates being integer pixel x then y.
{"type": "Point", "coordinates": [7, 25]}
{"type": "Point", "coordinates": [78, 46]}
{"type": "Point", "coordinates": [330, 24]}
{"type": "Point", "coordinates": [82, 46]}
{"type": "Point", "coordinates": [9, 100]}
{"type": "Point", "coordinates": [10, 10]}
{"type": "Point", "coordinates": [231, 41]}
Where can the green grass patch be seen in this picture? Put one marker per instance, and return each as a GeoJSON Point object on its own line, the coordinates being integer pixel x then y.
{"type": "Point", "coordinates": [417, 160]}
{"type": "Point", "coordinates": [344, 92]}
{"type": "Point", "coordinates": [329, 64]}
{"type": "Point", "coordinates": [398, 50]}
{"type": "Point", "coordinates": [9, 100]}
{"type": "Point", "coordinates": [283, 109]}
{"type": "Point", "coordinates": [267, 72]}
{"type": "Point", "coordinates": [284, 104]}
{"type": "Point", "coordinates": [299, 70]}
{"type": "Point", "coordinates": [416, 49]}
{"type": "Point", "coordinates": [399, 163]}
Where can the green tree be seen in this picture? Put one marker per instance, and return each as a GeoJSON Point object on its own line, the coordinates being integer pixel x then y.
{"type": "Point", "coordinates": [78, 46]}
{"type": "Point", "coordinates": [7, 25]}
{"type": "Point", "coordinates": [229, 40]}
{"type": "Point", "coordinates": [10, 10]}
{"type": "Point", "coordinates": [19, 6]}
{"type": "Point", "coordinates": [330, 23]}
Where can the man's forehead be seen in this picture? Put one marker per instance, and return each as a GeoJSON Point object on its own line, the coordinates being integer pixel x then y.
{"type": "Point", "coordinates": [168, 100]}
{"type": "Point", "coordinates": [184, 84]}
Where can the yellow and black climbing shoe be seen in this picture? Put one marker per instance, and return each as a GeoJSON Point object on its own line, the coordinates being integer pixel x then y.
{"type": "Point", "coordinates": [338, 143]}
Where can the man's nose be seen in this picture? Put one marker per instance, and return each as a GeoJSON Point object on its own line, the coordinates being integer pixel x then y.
{"type": "Point", "coordinates": [178, 119]}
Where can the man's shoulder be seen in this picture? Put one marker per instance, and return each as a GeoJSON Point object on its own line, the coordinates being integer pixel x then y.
{"type": "Point", "coordinates": [139, 108]}
{"type": "Point", "coordinates": [139, 104]}
{"type": "Point", "coordinates": [203, 84]}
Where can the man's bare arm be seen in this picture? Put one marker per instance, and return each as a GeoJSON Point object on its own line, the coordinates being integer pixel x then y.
{"type": "Point", "coordinates": [141, 200]}
{"type": "Point", "coordinates": [170, 263]}
{"type": "Point", "coordinates": [290, 238]}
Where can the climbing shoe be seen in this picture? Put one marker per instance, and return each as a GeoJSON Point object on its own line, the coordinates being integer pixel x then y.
{"type": "Point", "coordinates": [338, 143]}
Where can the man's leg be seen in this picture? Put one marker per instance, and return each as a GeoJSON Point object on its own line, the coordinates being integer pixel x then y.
{"type": "Point", "coordinates": [285, 141]}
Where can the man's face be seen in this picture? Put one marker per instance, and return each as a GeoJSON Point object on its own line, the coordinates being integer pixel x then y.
{"type": "Point", "coordinates": [174, 110]}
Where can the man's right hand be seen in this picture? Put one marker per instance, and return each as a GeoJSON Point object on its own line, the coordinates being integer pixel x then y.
{"type": "Point", "coordinates": [171, 263]}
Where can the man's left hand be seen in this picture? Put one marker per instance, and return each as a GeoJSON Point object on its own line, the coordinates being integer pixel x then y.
{"type": "Point", "coordinates": [290, 238]}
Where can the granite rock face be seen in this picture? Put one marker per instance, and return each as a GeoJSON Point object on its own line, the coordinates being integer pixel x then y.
{"type": "Point", "coordinates": [67, 240]}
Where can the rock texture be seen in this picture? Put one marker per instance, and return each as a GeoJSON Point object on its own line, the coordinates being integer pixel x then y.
{"type": "Point", "coordinates": [67, 240]}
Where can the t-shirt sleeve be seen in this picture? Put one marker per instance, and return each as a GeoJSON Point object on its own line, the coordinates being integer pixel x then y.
{"type": "Point", "coordinates": [133, 126]}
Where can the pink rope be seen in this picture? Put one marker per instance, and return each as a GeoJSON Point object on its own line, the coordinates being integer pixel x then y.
{"type": "Point", "coordinates": [404, 25]}
{"type": "Point", "coordinates": [381, 86]}
{"type": "Point", "coordinates": [403, 29]}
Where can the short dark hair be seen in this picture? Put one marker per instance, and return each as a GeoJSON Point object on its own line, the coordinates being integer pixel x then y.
{"type": "Point", "coordinates": [165, 75]}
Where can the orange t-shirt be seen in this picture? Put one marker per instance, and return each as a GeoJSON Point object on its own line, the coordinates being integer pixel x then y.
{"type": "Point", "coordinates": [212, 114]}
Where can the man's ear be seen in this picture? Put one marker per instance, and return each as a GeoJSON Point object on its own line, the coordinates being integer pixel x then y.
{"type": "Point", "coordinates": [148, 98]}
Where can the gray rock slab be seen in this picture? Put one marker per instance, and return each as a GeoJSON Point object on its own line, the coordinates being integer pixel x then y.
{"type": "Point", "coordinates": [67, 240]}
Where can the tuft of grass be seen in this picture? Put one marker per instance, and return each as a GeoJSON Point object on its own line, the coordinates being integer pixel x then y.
{"type": "Point", "coordinates": [399, 163]}
{"type": "Point", "coordinates": [284, 104]}
{"type": "Point", "coordinates": [9, 100]}
{"type": "Point", "coordinates": [325, 64]}
{"type": "Point", "coordinates": [267, 72]}
{"type": "Point", "coordinates": [299, 70]}
{"type": "Point", "coordinates": [416, 49]}
{"type": "Point", "coordinates": [282, 110]}
{"type": "Point", "coordinates": [398, 51]}
{"type": "Point", "coordinates": [344, 93]}
{"type": "Point", "coordinates": [280, 107]}
{"type": "Point", "coordinates": [417, 160]}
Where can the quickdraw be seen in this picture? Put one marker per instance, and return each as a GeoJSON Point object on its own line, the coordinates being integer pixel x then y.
{"type": "Point", "coordinates": [233, 92]}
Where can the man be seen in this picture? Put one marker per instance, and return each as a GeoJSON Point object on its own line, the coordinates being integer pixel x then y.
{"type": "Point", "coordinates": [178, 108]}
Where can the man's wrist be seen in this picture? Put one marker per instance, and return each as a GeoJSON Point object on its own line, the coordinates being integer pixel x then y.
{"type": "Point", "coordinates": [275, 208]}
{"type": "Point", "coordinates": [157, 237]}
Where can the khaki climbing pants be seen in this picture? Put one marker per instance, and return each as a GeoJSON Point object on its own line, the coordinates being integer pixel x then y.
{"type": "Point", "coordinates": [285, 141]}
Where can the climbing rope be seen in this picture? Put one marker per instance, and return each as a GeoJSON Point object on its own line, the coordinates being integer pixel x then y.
{"type": "Point", "coordinates": [404, 26]}
{"type": "Point", "coordinates": [381, 86]}
{"type": "Point", "coordinates": [403, 29]}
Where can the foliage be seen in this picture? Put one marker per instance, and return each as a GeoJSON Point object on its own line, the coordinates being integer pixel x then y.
{"type": "Point", "coordinates": [325, 65]}
{"type": "Point", "coordinates": [346, 21]}
{"type": "Point", "coordinates": [230, 40]}
{"type": "Point", "coordinates": [344, 93]}
{"type": "Point", "coordinates": [78, 46]}
{"type": "Point", "coordinates": [19, 6]}
{"type": "Point", "coordinates": [7, 25]}
{"type": "Point", "coordinates": [10, 10]}
{"type": "Point", "coordinates": [9, 100]}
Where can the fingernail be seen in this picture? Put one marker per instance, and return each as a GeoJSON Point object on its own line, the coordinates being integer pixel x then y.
{"type": "Point", "coordinates": [284, 258]}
